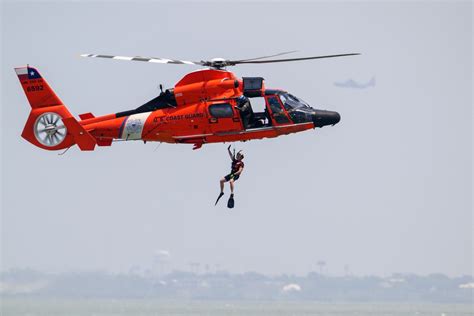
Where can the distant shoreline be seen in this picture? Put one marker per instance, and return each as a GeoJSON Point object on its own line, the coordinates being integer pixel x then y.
{"type": "Point", "coordinates": [224, 286]}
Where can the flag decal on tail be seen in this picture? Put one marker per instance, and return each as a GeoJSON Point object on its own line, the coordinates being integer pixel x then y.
{"type": "Point", "coordinates": [37, 90]}
{"type": "Point", "coordinates": [26, 73]}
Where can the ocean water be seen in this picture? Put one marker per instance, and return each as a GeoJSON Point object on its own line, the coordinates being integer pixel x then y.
{"type": "Point", "coordinates": [146, 307]}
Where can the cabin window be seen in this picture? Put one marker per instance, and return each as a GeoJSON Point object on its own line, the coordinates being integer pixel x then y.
{"type": "Point", "coordinates": [221, 110]}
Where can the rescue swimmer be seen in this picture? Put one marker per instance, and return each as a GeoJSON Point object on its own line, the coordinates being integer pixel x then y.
{"type": "Point", "coordinates": [236, 170]}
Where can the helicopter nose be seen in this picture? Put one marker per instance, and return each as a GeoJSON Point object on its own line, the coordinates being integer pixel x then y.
{"type": "Point", "coordinates": [322, 118]}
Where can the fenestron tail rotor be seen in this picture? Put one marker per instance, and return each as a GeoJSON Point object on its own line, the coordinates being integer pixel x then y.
{"type": "Point", "coordinates": [217, 63]}
{"type": "Point", "coordinates": [49, 129]}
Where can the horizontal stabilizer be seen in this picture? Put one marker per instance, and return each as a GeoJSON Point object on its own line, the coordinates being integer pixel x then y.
{"type": "Point", "coordinates": [104, 141]}
{"type": "Point", "coordinates": [86, 116]}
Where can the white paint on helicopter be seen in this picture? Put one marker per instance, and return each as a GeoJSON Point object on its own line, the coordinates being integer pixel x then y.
{"type": "Point", "coordinates": [134, 126]}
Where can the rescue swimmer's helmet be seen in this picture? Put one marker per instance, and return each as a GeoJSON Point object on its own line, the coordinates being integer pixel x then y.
{"type": "Point", "coordinates": [239, 155]}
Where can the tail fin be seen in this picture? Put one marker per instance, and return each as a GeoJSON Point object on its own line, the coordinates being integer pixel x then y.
{"type": "Point", "coordinates": [37, 90]}
{"type": "Point", "coordinates": [50, 125]}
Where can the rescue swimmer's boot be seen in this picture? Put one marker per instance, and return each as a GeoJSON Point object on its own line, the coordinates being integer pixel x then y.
{"type": "Point", "coordinates": [219, 197]}
{"type": "Point", "coordinates": [230, 203]}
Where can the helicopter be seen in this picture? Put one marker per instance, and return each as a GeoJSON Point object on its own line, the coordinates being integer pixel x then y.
{"type": "Point", "coordinates": [209, 105]}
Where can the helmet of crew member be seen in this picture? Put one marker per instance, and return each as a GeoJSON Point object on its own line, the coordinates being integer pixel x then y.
{"type": "Point", "coordinates": [242, 100]}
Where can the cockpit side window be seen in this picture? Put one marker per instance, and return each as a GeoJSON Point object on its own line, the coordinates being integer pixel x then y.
{"type": "Point", "coordinates": [274, 105]}
{"type": "Point", "coordinates": [277, 111]}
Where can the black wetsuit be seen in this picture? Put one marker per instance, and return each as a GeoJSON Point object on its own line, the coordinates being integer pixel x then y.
{"type": "Point", "coordinates": [236, 165]}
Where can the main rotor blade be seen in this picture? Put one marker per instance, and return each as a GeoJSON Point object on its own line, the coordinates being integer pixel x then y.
{"type": "Point", "coordinates": [290, 59]}
{"type": "Point", "coordinates": [262, 57]}
{"type": "Point", "coordinates": [145, 59]}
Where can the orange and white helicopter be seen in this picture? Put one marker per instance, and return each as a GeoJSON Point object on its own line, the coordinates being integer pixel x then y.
{"type": "Point", "coordinates": [209, 105]}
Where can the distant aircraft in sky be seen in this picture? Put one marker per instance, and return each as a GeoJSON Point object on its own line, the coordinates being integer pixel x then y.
{"type": "Point", "coordinates": [350, 83]}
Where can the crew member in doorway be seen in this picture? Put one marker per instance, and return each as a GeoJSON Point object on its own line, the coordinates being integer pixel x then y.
{"type": "Point", "coordinates": [245, 109]}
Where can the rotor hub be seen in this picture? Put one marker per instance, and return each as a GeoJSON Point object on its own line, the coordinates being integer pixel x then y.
{"type": "Point", "coordinates": [218, 63]}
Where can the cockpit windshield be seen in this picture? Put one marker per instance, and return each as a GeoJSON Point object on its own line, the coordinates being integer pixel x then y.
{"type": "Point", "coordinates": [299, 110]}
{"type": "Point", "coordinates": [290, 102]}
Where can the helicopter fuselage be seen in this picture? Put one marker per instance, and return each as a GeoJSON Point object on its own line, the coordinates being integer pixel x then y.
{"type": "Point", "coordinates": [205, 106]}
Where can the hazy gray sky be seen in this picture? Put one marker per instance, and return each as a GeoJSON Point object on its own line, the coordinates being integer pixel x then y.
{"type": "Point", "coordinates": [389, 189]}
